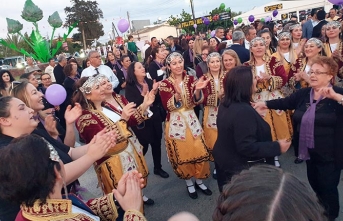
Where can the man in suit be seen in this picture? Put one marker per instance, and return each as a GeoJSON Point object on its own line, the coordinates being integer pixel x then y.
{"type": "Point", "coordinates": [250, 34]}
{"type": "Point", "coordinates": [310, 24]}
{"type": "Point", "coordinates": [317, 30]}
{"type": "Point", "coordinates": [172, 46]}
{"type": "Point", "coordinates": [237, 46]}
{"type": "Point", "coordinates": [219, 34]}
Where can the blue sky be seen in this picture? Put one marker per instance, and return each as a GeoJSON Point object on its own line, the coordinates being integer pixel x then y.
{"type": "Point", "coordinates": [114, 10]}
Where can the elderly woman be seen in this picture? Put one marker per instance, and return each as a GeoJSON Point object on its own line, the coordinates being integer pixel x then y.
{"type": "Point", "coordinates": [244, 138]}
{"type": "Point", "coordinates": [36, 181]}
{"type": "Point", "coordinates": [271, 76]}
{"type": "Point", "coordinates": [150, 133]}
{"type": "Point", "coordinates": [104, 109]}
{"type": "Point", "coordinates": [333, 47]}
{"type": "Point", "coordinates": [184, 139]}
{"type": "Point", "coordinates": [318, 114]}
{"type": "Point", "coordinates": [6, 79]}
{"type": "Point", "coordinates": [17, 119]}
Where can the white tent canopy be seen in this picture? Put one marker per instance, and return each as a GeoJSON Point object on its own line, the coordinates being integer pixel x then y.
{"type": "Point", "coordinates": [284, 7]}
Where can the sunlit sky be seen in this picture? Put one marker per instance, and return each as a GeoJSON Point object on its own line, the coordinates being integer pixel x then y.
{"type": "Point", "coordinates": [115, 10]}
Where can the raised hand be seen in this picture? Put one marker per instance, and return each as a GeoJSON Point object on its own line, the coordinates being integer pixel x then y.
{"type": "Point", "coordinates": [264, 76]}
{"type": "Point", "coordinates": [72, 114]}
{"type": "Point", "coordinates": [128, 110]}
{"type": "Point", "coordinates": [149, 98]}
{"type": "Point", "coordinates": [284, 145]}
{"type": "Point", "coordinates": [122, 182]}
{"type": "Point", "coordinates": [155, 85]}
{"type": "Point", "coordinates": [328, 92]}
{"type": "Point", "coordinates": [336, 54]}
{"type": "Point", "coordinates": [100, 144]}
{"type": "Point", "coordinates": [50, 126]}
{"type": "Point", "coordinates": [177, 87]}
{"type": "Point", "coordinates": [305, 76]}
{"type": "Point", "coordinates": [201, 83]}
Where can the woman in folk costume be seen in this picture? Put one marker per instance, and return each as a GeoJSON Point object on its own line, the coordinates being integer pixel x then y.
{"type": "Point", "coordinates": [333, 47]}
{"type": "Point", "coordinates": [271, 77]}
{"type": "Point", "coordinates": [299, 75]}
{"type": "Point", "coordinates": [184, 139]}
{"type": "Point", "coordinates": [97, 114]}
{"type": "Point", "coordinates": [267, 36]}
{"type": "Point", "coordinates": [297, 42]}
{"type": "Point", "coordinates": [41, 179]}
{"type": "Point", "coordinates": [212, 95]}
{"type": "Point", "coordinates": [287, 56]}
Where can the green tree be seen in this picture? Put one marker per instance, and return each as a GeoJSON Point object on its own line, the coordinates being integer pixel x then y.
{"type": "Point", "coordinates": [176, 20]}
{"type": "Point", "coordinates": [88, 14]}
{"type": "Point", "coordinates": [19, 42]}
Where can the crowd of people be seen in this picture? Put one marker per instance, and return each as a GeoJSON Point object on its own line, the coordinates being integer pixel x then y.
{"type": "Point", "coordinates": [237, 105]}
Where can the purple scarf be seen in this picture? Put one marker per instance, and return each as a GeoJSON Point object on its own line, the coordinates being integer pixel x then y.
{"type": "Point", "coordinates": [124, 72]}
{"type": "Point", "coordinates": [191, 55]}
{"type": "Point", "coordinates": [306, 136]}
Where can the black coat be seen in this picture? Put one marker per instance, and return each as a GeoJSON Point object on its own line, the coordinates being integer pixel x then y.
{"type": "Point", "coordinates": [242, 52]}
{"type": "Point", "coordinates": [178, 49]}
{"type": "Point", "coordinates": [152, 127]}
{"type": "Point", "coordinates": [188, 63]}
{"type": "Point", "coordinates": [328, 127]}
{"type": "Point", "coordinates": [153, 68]}
{"type": "Point", "coordinates": [119, 74]}
{"type": "Point", "coordinates": [59, 74]}
{"type": "Point", "coordinates": [243, 135]}
{"type": "Point", "coordinates": [317, 30]}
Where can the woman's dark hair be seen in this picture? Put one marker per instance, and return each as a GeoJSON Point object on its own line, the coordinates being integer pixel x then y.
{"type": "Point", "coordinates": [108, 53]}
{"type": "Point", "coordinates": [84, 63]}
{"type": "Point", "coordinates": [123, 57]}
{"type": "Point", "coordinates": [2, 83]}
{"type": "Point", "coordinates": [263, 31]}
{"type": "Point", "coordinates": [68, 69]}
{"type": "Point", "coordinates": [28, 177]}
{"type": "Point", "coordinates": [267, 193]}
{"type": "Point", "coordinates": [238, 85]}
{"type": "Point", "coordinates": [152, 56]}
{"type": "Point", "coordinates": [221, 46]}
{"type": "Point", "coordinates": [26, 75]}
{"type": "Point", "coordinates": [5, 107]}
{"type": "Point", "coordinates": [131, 77]}
{"type": "Point", "coordinates": [78, 96]}
{"type": "Point", "coordinates": [184, 44]}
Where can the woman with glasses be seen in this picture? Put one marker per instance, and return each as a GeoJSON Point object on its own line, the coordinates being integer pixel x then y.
{"type": "Point", "coordinates": [104, 109]}
{"type": "Point", "coordinates": [16, 119]}
{"type": "Point", "coordinates": [40, 178]}
{"type": "Point", "coordinates": [186, 149]}
{"type": "Point", "coordinates": [318, 112]}
{"type": "Point", "coordinates": [201, 68]}
{"type": "Point", "coordinates": [271, 76]}
{"type": "Point", "coordinates": [333, 47]}
{"type": "Point", "coordinates": [5, 82]}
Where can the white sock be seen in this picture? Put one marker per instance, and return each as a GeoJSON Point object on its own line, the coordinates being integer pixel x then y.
{"type": "Point", "coordinates": [190, 185]}
{"type": "Point", "coordinates": [200, 184]}
{"type": "Point", "coordinates": [214, 171]}
{"type": "Point", "coordinates": [276, 161]}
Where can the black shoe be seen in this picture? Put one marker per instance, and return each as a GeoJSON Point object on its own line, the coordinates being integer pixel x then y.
{"type": "Point", "coordinates": [149, 202]}
{"type": "Point", "coordinates": [297, 161]}
{"type": "Point", "coordinates": [161, 173]}
{"type": "Point", "coordinates": [207, 191]}
{"type": "Point", "coordinates": [192, 195]}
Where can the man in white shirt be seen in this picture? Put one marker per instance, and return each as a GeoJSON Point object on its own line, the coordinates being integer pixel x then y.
{"type": "Point", "coordinates": [50, 69]}
{"type": "Point", "coordinates": [97, 68]}
{"type": "Point", "coordinates": [146, 45]}
{"type": "Point", "coordinates": [250, 34]}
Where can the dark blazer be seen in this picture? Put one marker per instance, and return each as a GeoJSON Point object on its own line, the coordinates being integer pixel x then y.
{"type": "Point", "coordinates": [59, 74]}
{"type": "Point", "coordinates": [242, 52]}
{"type": "Point", "coordinates": [328, 127]}
{"type": "Point", "coordinates": [317, 30]}
{"type": "Point", "coordinates": [243, 135]}
{"type": "Point", "coordinates": [147, 54]}
{"type": "Point", "coordinates": [187, 63]}
{"type": "Point", "coordinates": [178, 48]}
{"type": "Point", "coordinates": [152, 128]}
{"type": "Point", "coordinates": [153, 68]}
{"type": "Point", "coordinates": [307, 29]}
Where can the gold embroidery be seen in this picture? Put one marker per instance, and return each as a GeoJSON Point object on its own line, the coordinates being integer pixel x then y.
{"type": "Point", "coordinates": [133, 215]}
{"type": "Point", "coordinates": [104, 207]}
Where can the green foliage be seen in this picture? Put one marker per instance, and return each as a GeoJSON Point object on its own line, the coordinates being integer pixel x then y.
{"type": "Point", "coordinates": [88, 14]}
{"type": "Point", "coordinates": [184, 16]}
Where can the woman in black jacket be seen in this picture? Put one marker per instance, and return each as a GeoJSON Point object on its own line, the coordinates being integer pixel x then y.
{"type": "Point", "coordinates": [244, 137]}
{"type": "Point", "coordinates": [157, 69]}
{"type": "Point", "coordinates": [150, 131]}
{"type": "Point", "coordinates": [318, 115]}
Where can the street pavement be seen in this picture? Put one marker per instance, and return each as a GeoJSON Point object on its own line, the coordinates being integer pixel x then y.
{"type": "Point", "coordinates": [170, 195]}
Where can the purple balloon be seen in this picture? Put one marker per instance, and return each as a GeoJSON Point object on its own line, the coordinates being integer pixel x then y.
{"type": "Point", "coordinates": [336, 2]}
{"type": "Point", "coordinates": [123, 25]}
{"type": "Point", "coordinates": [275, 12]}
{"type": "Point", "coordinates": [213, 33]}
{"type": "Point", "coordinates": [206, 21]}
{"type": "Point", "coordinates": [55, 94]}
{"type": "Point", "coordinates": [195, 26]}
{"type": "Point", "coordinates": [267, 19]}
{"type": "Point", "coordinates": [235, 22]}
{"type": "Point", "coordinates": [251, 18]}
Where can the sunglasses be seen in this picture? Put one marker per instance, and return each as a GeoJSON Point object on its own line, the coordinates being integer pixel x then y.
{"type": "Point", "coordinates": [14, 84]}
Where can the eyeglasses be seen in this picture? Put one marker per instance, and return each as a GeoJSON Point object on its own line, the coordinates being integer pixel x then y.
{"type": "Point", "coordinates": [44, 79]}
{"type": "Point", "coordinates": [14, 84]}
{"type": "Point", "coordinates": [317, 72]}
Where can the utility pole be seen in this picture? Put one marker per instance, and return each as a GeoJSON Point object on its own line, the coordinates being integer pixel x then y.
{"type": "Point", "coordinates": [84, 37]}
{"type": "Point", "coordinates": [128, 18]}
{"type": "Point", "coordinates": [192, 7]}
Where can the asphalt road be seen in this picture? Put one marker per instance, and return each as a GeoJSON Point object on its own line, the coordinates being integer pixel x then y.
{"type": "Point", "coordinates": [170, 195]}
